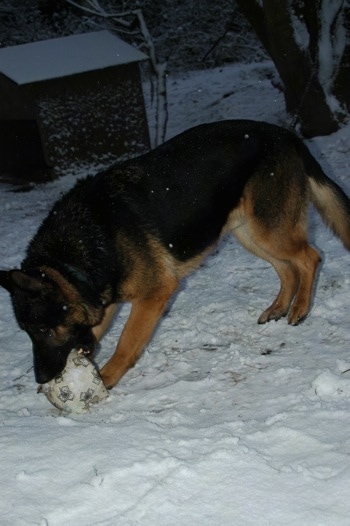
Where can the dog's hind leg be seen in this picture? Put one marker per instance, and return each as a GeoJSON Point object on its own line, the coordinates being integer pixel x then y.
{"type": "Point", "coordinates": [144, 316]}
{"type": "Point", "coordinates": [287, 273]}
{"type": "Point", "coordinates": [306, 259]}
{"type": "Point", "coordinates": [294, 261]}
{"type": "Point", "coordinates": [296, 286]}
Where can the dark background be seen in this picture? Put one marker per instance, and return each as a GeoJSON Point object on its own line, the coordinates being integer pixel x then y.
{"type": "Point", "coordinates": [188, 34]}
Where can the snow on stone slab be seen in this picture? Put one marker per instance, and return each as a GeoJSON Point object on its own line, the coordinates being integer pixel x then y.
{"type": "Point", "coordinates": [62, 57]}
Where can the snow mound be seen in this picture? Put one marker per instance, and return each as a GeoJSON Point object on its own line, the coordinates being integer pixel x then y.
{"type": "Point", "coordinates": [328, 386]}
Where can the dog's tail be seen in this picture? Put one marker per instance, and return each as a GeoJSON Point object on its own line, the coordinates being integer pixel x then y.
{"type": "Point", "coordinates": [330, 200]}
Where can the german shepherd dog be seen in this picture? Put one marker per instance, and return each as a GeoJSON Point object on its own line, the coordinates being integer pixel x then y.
{"type": "Point", "coordinates": [131, 233]}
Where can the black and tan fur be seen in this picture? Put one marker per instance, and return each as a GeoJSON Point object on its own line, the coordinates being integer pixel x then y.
{"type": "Point", "coordinates": [131, 233]}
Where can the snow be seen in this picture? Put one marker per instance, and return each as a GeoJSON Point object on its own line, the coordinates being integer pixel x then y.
{"type": "Point", "coordinates": [300, 30]}
{"type": "Point", "coordinates": [61, 57]}
{"type": "Point", "coordinates": [222, 421]}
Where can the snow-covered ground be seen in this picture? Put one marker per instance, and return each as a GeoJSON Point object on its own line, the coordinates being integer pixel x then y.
{"type": "Point", "coordinates": [222, 421]}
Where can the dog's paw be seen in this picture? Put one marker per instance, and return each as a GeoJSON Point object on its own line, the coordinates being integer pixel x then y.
{"type": "Point", "coordinates": [108, 379]}
{"type": "Point", "coordinates": [272, 314]}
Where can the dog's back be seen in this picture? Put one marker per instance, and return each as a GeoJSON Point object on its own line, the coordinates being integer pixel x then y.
{"type": "Point", "coordinates": [169, 207]}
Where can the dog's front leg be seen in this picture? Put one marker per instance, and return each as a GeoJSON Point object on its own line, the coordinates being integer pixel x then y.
{"type": "Point", "coordinates": [99, 330]}
{"type": "Point", "coordinates": [143, 318]}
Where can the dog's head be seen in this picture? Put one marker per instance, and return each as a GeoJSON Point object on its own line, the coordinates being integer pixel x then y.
{"type": "Point", "coordinates": [53, 314]}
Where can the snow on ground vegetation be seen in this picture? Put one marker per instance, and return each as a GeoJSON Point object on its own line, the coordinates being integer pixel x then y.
{"type": "Point", "coordinates": [222, 421]}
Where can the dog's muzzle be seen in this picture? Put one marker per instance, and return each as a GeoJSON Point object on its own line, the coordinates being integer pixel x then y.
{"type": "Point", "coordinates": [49, 363]}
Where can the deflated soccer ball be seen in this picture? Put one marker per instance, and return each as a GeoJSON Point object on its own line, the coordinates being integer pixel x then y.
{"type": "Point", "coordinates": [78, 386]}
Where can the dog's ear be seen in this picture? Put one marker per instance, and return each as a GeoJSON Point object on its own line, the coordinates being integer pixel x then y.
{"type": "Point", "coordinates": [6, 280]}
{"type": "Point", "coordinates": [12, 279]}
{"type": "Point", "coordinates": [27, 281]}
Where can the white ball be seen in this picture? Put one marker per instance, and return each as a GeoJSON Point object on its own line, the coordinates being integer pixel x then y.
{"type": "Point", "coordinates": [78, 386]}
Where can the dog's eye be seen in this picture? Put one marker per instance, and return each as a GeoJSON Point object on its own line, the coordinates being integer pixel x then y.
{"type": "Point", "coordinates": [46, 331]}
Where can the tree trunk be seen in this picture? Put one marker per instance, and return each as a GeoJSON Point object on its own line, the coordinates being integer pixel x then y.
{"type": "Point", "coordinates": [341, 86]}
{"type": "Point", "coordinates": [296, 61]}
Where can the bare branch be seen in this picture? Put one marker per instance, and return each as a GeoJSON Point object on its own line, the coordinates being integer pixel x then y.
{"type": "Point", "coordinates": [94, 8]}
{"type": "Point", "coordinates": [83, 8]}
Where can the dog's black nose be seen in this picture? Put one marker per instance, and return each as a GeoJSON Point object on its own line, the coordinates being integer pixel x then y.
{"type": "Point", "coordinates": [41, 377]}
{"type": "Point", "coordinates": [48, 363]}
